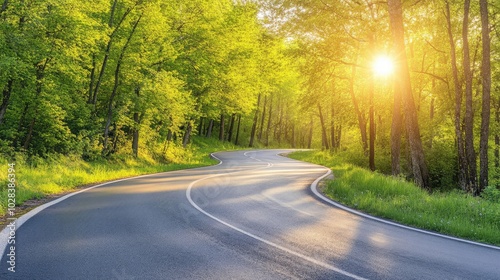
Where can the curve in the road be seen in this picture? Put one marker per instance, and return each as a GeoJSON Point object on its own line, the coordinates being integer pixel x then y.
{"type": "Point", "coordinates": [252, 216]}
{"type": "Point", "coordinates": [314, 189]}
{"type": "Point", "coordinates": [270, 243]}
{"type": "Point", "coordinates": [4, 234]}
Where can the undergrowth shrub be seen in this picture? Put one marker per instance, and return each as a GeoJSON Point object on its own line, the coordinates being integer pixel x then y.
{"type": "Point", "coordinates": [491, 193]}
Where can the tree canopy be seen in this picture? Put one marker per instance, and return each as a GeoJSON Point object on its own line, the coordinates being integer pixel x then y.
{"type": "Point", "coordinates": [96, 78]}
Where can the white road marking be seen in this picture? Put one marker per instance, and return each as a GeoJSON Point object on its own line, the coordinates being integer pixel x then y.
{"type": "Point", "coordinates": [352, 211]}
{"type": "Point", "coordinates": [4, 234]}
{"type": "Point", "coordinates": [284, 204]}
{"type": "Point", "coordinates": [213, 156]}
{"type": "Point", "coordinates": [252, 157]}
{"type": "Point", "coordinates": [270, 243]}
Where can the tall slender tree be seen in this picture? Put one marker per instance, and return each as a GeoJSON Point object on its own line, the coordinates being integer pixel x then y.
{"type": "Point", "coordinates": [486, 94]}
{"type": "Point", "coordinates": [462, 168]}
{"type": "Point", "coordinates": [470, 151]}
{"type": "Point", "coordinates": [418, 164]}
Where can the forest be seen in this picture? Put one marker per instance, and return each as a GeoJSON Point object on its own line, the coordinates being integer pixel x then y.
{"type": "Point", "coordinates": [99, 78]}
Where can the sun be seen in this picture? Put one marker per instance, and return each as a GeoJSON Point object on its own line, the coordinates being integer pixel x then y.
{"type": "Point", "coordinates": [383, 66]}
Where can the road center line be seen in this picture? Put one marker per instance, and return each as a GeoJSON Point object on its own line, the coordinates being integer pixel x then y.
{"type": "Point", "coordinates": [270, 243]}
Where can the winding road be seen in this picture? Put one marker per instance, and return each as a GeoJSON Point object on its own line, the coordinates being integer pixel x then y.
{"type": "Point", "coordinates": [253, 216]}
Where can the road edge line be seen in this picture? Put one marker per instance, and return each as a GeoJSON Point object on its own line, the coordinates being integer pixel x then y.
{"type": "Point", "coordinates": [270, 243]}
{"type": "Point", "coordinates": [4, 234]}
{"type": "Point", "coordinates": [318, 194]}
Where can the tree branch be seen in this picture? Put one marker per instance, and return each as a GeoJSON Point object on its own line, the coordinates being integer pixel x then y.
{"type": "Point", "coordinates": [436, 49]}
{"type": "Point", "coordinates": [432, 75]}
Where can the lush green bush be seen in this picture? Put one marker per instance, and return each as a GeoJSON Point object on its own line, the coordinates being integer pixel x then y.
{"type": "Point", "coordinates": [492, 194]}
{"type": "Point", "coordinates": [442, 164]}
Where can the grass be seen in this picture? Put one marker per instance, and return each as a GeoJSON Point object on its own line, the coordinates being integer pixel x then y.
{"type": "Point", "coordinates": [452, 213]}
{"type": "Point", "coordinates": [42, 178]}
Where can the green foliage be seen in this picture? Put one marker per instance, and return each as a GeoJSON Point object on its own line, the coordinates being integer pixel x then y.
{"type": "Point", "coordinates": [442, 164]}
{"type": "Point", "coordinates": [38, 177]}
{"type": "Point", "coordinates": [142, 75]}
{"type": "Point", "coordinates": [137, 76]}
{"type": "Point", "coordinates": [337, 43]}
{"type": "Point", "coordinates": [451, 213]}
{"type": "Point", "coordinates": [144, 70]}
{"type": "Point", "coordinates": [492, 194]}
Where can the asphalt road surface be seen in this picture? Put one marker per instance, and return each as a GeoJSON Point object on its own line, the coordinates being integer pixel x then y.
{"type": "Point", "coordinates": [251, 217]}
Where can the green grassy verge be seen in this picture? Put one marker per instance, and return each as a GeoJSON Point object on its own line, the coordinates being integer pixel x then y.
{"type": "Point", "coordinates": [451, 213]}
{"type": "Point", "coordinates": [58, 175]}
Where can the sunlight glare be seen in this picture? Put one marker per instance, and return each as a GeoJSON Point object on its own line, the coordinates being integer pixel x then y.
{"type": "Point", "coordinates": [383, 66]}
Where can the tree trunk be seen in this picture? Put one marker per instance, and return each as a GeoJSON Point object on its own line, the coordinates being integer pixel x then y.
{"type": "Point", "coordinates": [261, 128]}
{"type": "Point", "coordinates": [431, 118]}
{"type": "Point", "coordinates": [187, 135]}
{"type": "Point", "coordinates": [92, 80]}
{"type": "Point", "coordinates": [469, 114]}
{"type": "Point", "coordinates": [108, 124]}
{"type": "Point", "coordinates": [278, 123]}
{"type": "Point", "coordinates": [278, 130]}
{"type": "Point", "coordinates": [268, 128]}
{"type": "Point", "coordinates": [135, 135]}
{"type": "Point", "coordinates": [105, 149]}
{"type": "Point", "coordinates": [339, 136]}
{"type": "Point", "coordinates": [101, 73]}
{"type": "Point", "coordinates": [115, 138]}
{"type": "Point", "coordinates": [285, 126]}
{"type": "Point", "coordinates": [236, 141]}
{"type": "Point", "coordinates": [462, 168]}
{"type": "Point", "coordinates": [231, 126]}
{"type": "Point", "coordinates": [108, 49]}
{"type": "Point", "coordinates": [20, 124]}
{"type": "Point", "coordinates": [396, 132]}
{"type": "Point", "coordinates": [497, 151]}
{"type": "Point", "coordinates": [210, 127]}
{"type": "Point", "coordinates": [112, 13]}
{"type": "Point", "coordinates": [361, 118]}
{"type": "Point", "coordinates": [166, 144]}
{"type": "Point", "coordinates": [135, 131]}
{"type": "Point", "coordinates": [4, 6]}
{"type": "Point", "coordinates": [419, 167]}
{"type": "Point", "coordinates": [301, 138]}
{"type": "Point", "coordinates": [309, 142]}
{"type": "Point", "coordinates": [332, 126]}
{"type": "Point", "coordinates": [497, 142]}
{"type": "Point", "coordinates": [40, 75]}
{"type": "Point", "coordinates": [200, 126]}
{"type": "Point", "coordinates": [5, 99]}
{"type": "Point", "coordinates": [371, 158]}
{"type": "Point", "coordinates": [485, 113]}
{"type": "Point", "coordinates": [323, 129]}
{"type": "Point", "coordinates": [221, 128]}
{"type": "Point", "coordinates": [254, 125]}
{"type": "Point", "coordinates": [30, 134]}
